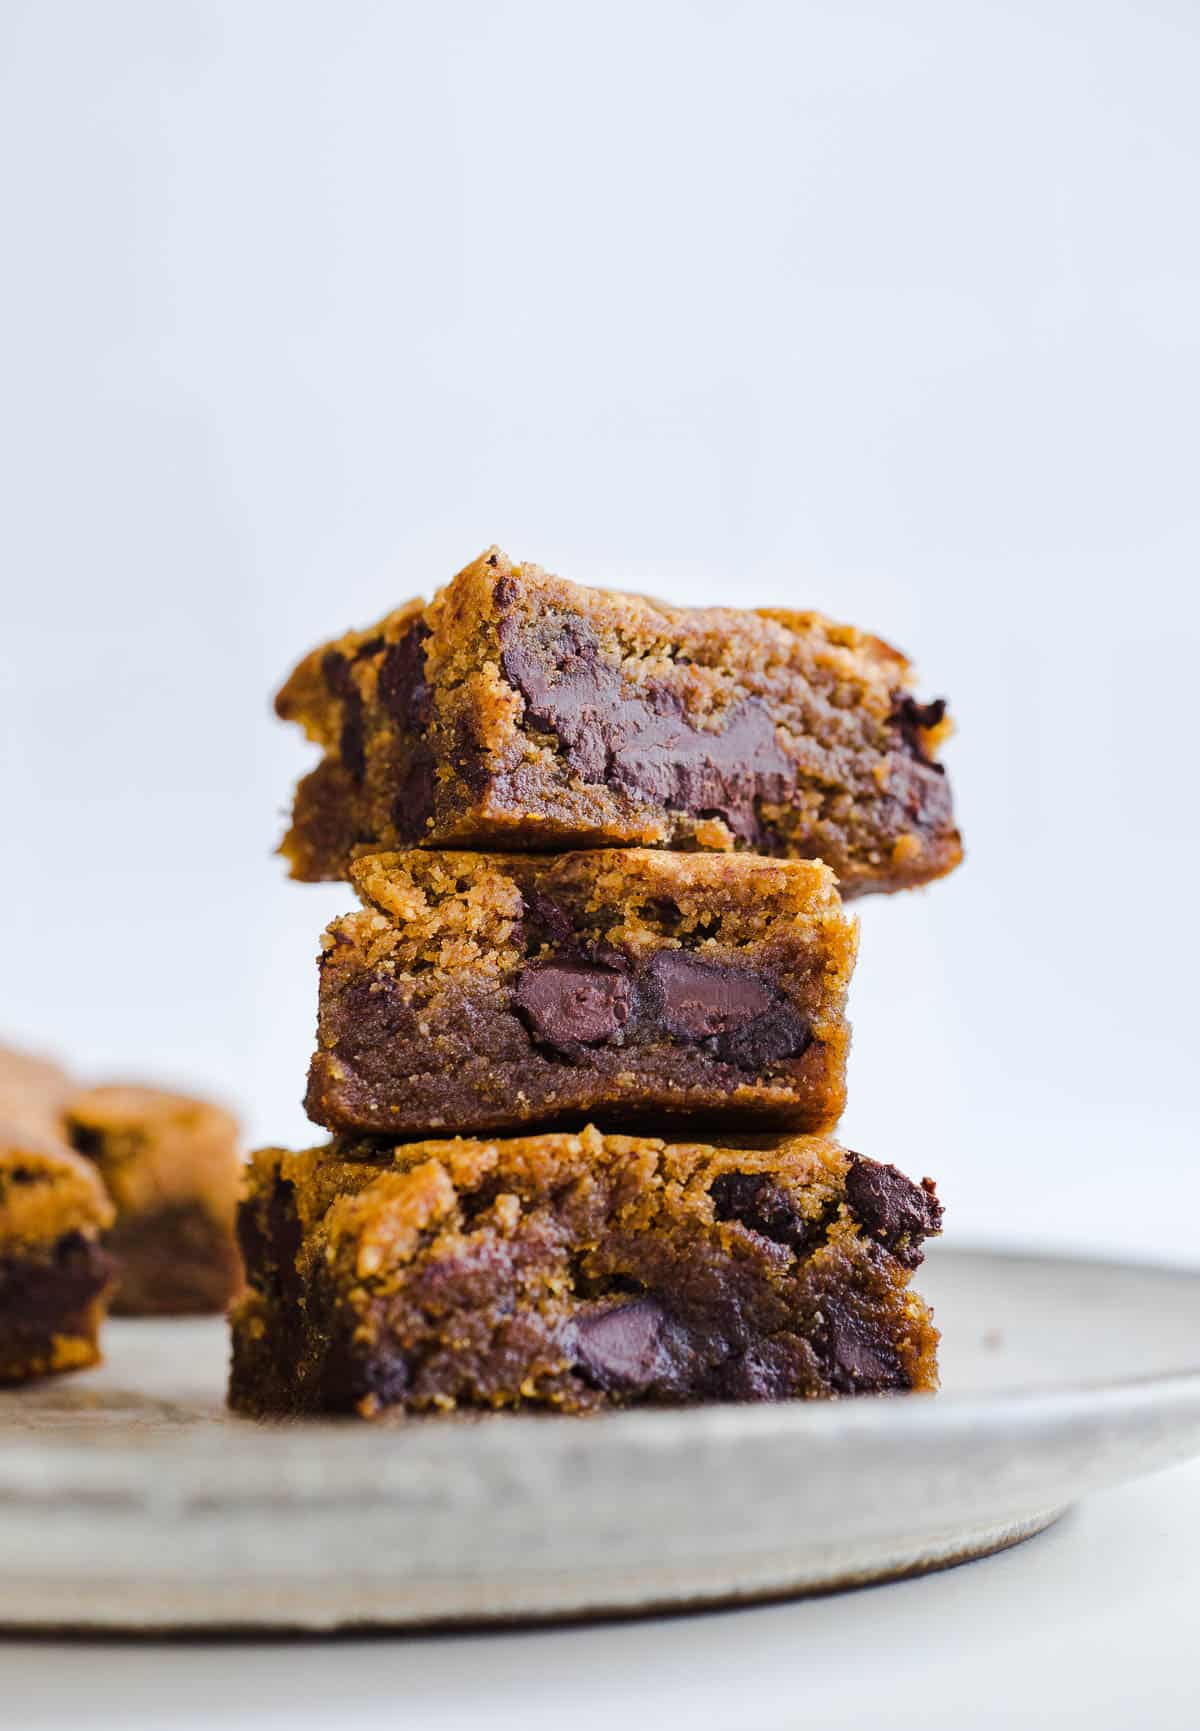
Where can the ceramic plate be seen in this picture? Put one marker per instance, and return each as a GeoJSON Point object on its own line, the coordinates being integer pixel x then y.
{"type": "Point", "coordinates": [130, 1500]}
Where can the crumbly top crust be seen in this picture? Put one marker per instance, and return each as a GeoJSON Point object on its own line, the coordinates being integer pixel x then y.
{"type": "Point", "coordinates": [47, 1190]}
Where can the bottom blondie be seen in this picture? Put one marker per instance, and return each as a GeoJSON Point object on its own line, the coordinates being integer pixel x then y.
{"type": "Point", "coordinates": [577, 1272]}
{"type": "Point", "coordinates": [55, 1279]}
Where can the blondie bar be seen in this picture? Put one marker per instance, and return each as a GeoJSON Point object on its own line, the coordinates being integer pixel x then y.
{"type": "Point", "coordinates": [577, 1271]}
{"type": "Point", "coordinates": [173, 1169]}
{"type": "Point", "coordinates": [55, 1279]}
{"type": "Point", "coordinates": [493, 991]}
{"type": "Point", "coordinates": [522, 711]}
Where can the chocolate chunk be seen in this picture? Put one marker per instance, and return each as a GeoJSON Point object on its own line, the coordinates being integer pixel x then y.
{"type": "Point", "coordinates": [695, 1000]}
{"type": "Point", "coordinates": [403, 689]}
{"type": "Point", "coordinates": [922, 792]}
{"type": "Point", "coordinates": [764, 1206]}
{"type": "Point", "coordinates": [39, 1293]}
{"type": "Point", "coordinates": [335, 671]}
{"type": "Point", "coordinates": [383, 1374]}
{"type": "Point", "coordinates": [86, 1139]}
{"type": "Point", "coordinates": [626, 1348]}
{"type": "Point", "coordinates": [371, 1011]}
{"type": "Point", "coordinates": [855, 1353]}
{"type": "Point", "coordinates": [549, 920]}
{"type": "Point", "coordinates": [574, 1003]}
{"type": "Point", "coordinates": [271, 1249]}
{"type": "Point", "coordinates": [780, 1034]}
{"type": "Point", "coordinates": [747, 1020]}
{"type": "Point", "coordinates": [910, 717]}
{"type": "Point", "coordinates": [413, 805]}
{"type": "Point", "coordinates": [352, 742]}
{"type": "Point", "coordinates": [892, 1209]}
{"type": "Point", "coordinates": [768, 1370]}
{"type": "Point", "coordinates": [641, 741]}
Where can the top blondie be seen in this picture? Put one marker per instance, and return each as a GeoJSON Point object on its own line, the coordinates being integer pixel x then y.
{"type": "Point", "coordinates": [520, 711]}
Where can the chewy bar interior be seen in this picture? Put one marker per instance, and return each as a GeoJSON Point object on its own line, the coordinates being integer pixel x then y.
{"type": "Point", "coordinates": [55, 1278]}
{"type": "Point", "coordinates": [173, 1169]}
{"type": "Point", "coordinates": [522, 711]}
{"type": "Point", "coordinates": [489, 992]}
{"type": "Point", "coordinates": [577, 1272]}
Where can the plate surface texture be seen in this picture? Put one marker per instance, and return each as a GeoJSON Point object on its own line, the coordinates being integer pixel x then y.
{"type": "Point", "coordinates": [129, 1499]}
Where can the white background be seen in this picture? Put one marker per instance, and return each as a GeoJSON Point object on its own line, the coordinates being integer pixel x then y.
{"type": "Point", "coordinates": [891, 310]}
{"type": "Point", "coordinates": [886, 309]}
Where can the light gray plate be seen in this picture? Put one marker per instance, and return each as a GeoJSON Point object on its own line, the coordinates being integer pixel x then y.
{"type": "Point", "coordinates": [129, 1499]}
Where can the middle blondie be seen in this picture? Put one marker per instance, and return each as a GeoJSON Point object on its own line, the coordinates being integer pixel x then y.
{"type": "Point", "coordinates": [482, 992]}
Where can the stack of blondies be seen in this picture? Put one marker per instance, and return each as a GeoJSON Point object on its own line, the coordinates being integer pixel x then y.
{"type": "Point", "coordinates": [582, 1046]}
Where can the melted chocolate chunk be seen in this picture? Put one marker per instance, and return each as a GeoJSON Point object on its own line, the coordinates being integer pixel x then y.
{"type": "Point", "coordinates": [892, 1209]}
{"type": "Point", "coordinates": [383, 1374]}
{"type": "Point", "coordinates": [370, 1012]}
{"type": "Point", "coordinates": [910, 717]}
{"type": "Point", "coordinates": [769, 1370]}
{"type": "Point", "coordinates": [771, 1038]}
{"type": "Point", "coordinates": [627, 1348]}
{"type": "Point", "coordinates": [696, 1000]}
{"type": "Point", "coordinates": [855, 1353]}
{"type": "Point", "coordinates": [38, 1293]}
{"type": "Point", "coordinates": [744, 1017]}
{"type": "Point", "coordinates": [922, 792]}
{"type": "Point", "coordinates": [269, 1251]}
{"type": "Point", "coordinates": [335, 670]}
{"type": "Point", "coordinates": [413, 805]}
{"type": "Point", "coordinates": [641, 742]}
{"type": "Point", "coordinates": [85, 1139]}
{"type": "Point", "coordinates": [549, 920]}
{"type": "Point", "coordinates": [569, 1004]}
{"type": "Point", "coordinates": [764, 1206]}
{"type": "Point", "coordinates": [403, 689]}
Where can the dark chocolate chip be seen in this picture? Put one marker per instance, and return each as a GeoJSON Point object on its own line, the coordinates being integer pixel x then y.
{"type": "Point", "coordinates": [624, 1348]}
{"type": "Point", "coordinates": [550, 921]}
{"type": "Point", "coordinates": [855, 1353]}
{"type": "Point", "coordinates": [892, 1209]}
{"type": "Point", "coordinates": [570, 1004]}
{"type": "Point", "coordinates": [39, 1292]}
{"type": "Point", "coordinates": [352, 747]}
{"type": "Point", "coordinates": [413, 805]}
{"type": "Point", "coordinates": [764, 1206]}
{"type": "Point", "coordinates": [352, 742]}
{"type": "Point", "coordinates": [922, 792]}
{"type": "Point", "coordinates": [85, 1139]}
{"type": "Point", "coordinates": [744, 1016]}
{"type": "Point", "coordinates": [371, 1011]}
{"type": "Point", "coordinates": [696, 1000]}
{"type": "Point", "coordinates": [269, 1250]}
{"type": "Point", "coordinates": [768, 1370]}
{"type": "Point", "coordinates": [780, 1034]}
{"type": "Point", "coordinates": [910, 718]}
{"type": "Point", "coordinates": [403, 690]}
{"type": "Point", "coordinates": [641, 741]}
{"type": "Point", "coordinates": [335, 670]}
{"type": "Point", "coordinates": [383, 1374]}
